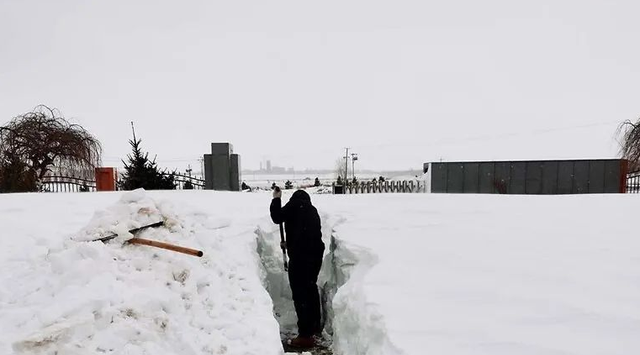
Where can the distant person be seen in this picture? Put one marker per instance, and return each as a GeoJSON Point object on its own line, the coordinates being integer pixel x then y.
{"type": "Point", "coordinates": [305, 247]}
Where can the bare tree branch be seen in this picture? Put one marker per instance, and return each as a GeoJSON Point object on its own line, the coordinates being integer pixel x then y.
{"type": "Point", "coordinates": [38, 141]}
{"type": "Point", "coordinates": [630, 145]}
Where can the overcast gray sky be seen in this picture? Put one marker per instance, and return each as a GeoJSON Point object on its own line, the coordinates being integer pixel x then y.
{"type": "Point", "coordinates": [401, 82]}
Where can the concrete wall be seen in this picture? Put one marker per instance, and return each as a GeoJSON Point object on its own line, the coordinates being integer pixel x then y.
{"type": "Point", "coordinates": [530, 177]}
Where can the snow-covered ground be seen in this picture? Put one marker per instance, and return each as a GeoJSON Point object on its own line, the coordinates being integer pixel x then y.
{"type": "Point", "coordinates": [403, 274]}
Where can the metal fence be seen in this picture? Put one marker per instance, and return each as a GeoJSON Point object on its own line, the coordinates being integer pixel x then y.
{"type": "Point", "coordinates": [367, 187]}
{"type": "Point", "coordinates": [60, 183]}
{"type": "Point", "coordinates": [63, 183]}
{"type": "Point", "coordinates": [633, 182]}
{"type": "Point", "coordinates": [188, 182]}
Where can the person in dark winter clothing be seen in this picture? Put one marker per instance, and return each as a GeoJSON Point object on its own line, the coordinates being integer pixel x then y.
{"type": "Point", "coordinates": [305, 247]}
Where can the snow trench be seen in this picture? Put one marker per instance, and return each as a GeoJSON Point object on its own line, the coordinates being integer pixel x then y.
{"type": "Point", "coordinates": [351, 324]}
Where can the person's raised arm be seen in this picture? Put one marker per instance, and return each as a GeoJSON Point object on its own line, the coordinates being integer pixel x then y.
{"type": "Point", "coordinates": [278, 212]}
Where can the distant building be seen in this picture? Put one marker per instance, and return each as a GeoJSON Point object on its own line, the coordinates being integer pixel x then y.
{"type": "Point", "coordinates": [268, 166]}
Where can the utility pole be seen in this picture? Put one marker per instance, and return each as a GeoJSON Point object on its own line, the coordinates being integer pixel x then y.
{"type": "Point", "coordinates": [346, 164]}
{"type": "Point", "coordinates": [354, 157]}
{"type": "Point", "coordinates": [133, 129]}
{"type": "Point", "coordinates": [201, 160]}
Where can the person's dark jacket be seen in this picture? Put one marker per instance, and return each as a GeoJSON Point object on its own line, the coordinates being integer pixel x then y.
{"type": "Point", "coordinates": [301, 223]}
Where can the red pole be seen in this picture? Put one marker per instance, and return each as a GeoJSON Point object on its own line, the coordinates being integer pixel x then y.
{"type": "Point", "coordinates": [624, 171]}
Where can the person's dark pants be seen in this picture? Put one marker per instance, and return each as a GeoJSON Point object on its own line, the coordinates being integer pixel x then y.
{"type": "Point", "coordinates": [303, 275]}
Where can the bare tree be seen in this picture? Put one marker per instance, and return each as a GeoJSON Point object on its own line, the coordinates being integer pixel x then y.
{"type": "Point", "coordinates": [33, 144]}
{"type": "Point", "coordinates": [630, 145]}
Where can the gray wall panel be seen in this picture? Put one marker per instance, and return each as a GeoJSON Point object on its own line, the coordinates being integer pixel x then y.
{"type": "Point", "coordinates": [612, 177]}
{"type": "Point", "coordinates": [565, 177]}
{"type": "Point", "coordinates": [549, 177]}
{"type": "Point", "coordinates": [502, 175]}
{"type": "Point", "coordinates": [438, 177]}
{"type": "Point", "coordinates": [580, 177]}
{"type": "Point", "coordinates": [533, 183]}
{"type": "Point", "coordinates": [596, 176]}
{"type": "Point", "coordinates": [471, 178]}
{"type": "Point", "coordinates": [518, 178]}
{"type": "Point", "coordinates": [455, 178]}
{"type": "Point", "coordinates": [530, 177]}
{"type": "Point", "coordinates": [487, 177]}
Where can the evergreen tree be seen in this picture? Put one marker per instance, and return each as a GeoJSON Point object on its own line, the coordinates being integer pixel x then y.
{"type": "Point", "coordinates": [140, 172]}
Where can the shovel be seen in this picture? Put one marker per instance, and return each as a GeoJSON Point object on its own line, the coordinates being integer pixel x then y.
{"type": "Point", "coordinates": [153, 243]}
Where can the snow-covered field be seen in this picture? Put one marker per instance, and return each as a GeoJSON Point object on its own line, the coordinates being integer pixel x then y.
{"type": "Point", "coordinates": [404, 274]}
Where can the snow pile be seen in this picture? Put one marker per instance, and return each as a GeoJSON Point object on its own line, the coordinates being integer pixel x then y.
{"type": "Point", "coordinates": [82, 297]}
{"type": "Point", "coordinates": [359, 327]}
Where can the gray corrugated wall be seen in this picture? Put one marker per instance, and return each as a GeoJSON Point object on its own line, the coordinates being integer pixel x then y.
{"type": "Point", "coordinates": [528, 177]}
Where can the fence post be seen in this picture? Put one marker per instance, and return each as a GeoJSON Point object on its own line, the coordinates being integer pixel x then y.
{"type": "Point", "coordinates": [624, 171]}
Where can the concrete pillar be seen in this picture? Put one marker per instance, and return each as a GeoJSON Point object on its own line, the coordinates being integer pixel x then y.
{"type": "Point", "coordinates": [222, 168]}
{"type": "Point", "coordinates": [208, 172]}
{"type": "Point", "coordinates": [234, 173]}
{"type": "Point", "coordinates": [221, 172]}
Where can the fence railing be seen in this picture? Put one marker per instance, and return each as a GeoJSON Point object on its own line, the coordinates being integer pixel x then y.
{"type": "Point", "coordinates": [61, 183]}
{"type": "Point", "coordinates": [633, 182]}
{"type": "Point", "coordinates": [186, 182]}
{"type": "Point", "coordinates": [367, 187]}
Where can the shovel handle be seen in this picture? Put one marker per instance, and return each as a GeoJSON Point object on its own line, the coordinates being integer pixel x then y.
{"type": "Point", "coordinates": [167, 246]}
{"type": "Point", "coordinates": [284, 251]}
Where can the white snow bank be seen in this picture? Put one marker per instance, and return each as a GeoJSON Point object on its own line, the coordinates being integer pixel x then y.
{"type": "Point", "coordinates": [67, 295]}
{"type": "Point", "coordinates": [359, 327]}
{"type": "Point", "coordinates": [424, 273]}
{"type": "Point", "coordinates": [486, 274]}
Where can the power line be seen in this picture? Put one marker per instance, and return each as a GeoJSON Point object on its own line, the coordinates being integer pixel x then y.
{"type": "Point", "coordinates": [486, 137]}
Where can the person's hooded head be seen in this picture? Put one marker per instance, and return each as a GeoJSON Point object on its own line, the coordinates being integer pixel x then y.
{"type": "Point", "coordinates": [301, 197]}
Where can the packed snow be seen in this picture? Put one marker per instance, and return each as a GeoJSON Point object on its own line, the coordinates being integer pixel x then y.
{"type": "Point", "coordinates": [403, 274]}
{"type": "Point", "coordinates": [63, 294]}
